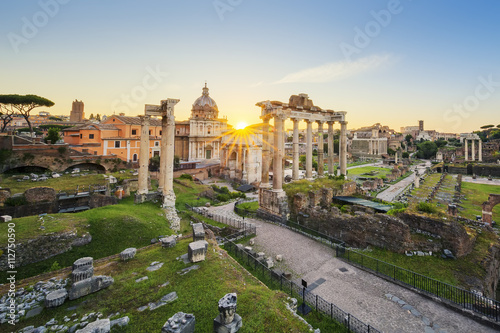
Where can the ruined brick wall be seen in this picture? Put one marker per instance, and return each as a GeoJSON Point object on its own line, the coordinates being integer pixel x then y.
{"type": "Point", "coordinates": [348, 189]}
{"type": "Point", "coordinates": [4, 195]}
{"type": "Point", "coordinates": [100, 200]}
{"type": "Point", "coordinates": [454, 235]}
{"type": "Point", "coordinates": [40, 194]}
{"type": "Point", "coordinates": [314, 198]}
{"type": "Point", "coordinates": [43, 247]}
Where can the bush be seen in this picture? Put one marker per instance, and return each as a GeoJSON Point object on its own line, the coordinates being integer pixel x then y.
{"type": "Point", "coordinates": [223, 197]}
{"type": "Point", "coordinates": [55, 266]}
{"type": "Point", "coordinates": [16, 201]}
{"type": "Point", "coordinates": [62, 150]}
{"type": "Point", "coordinates": [396, 211]}
{"type": "Point", "coordinates": [426, 207]}
{"type": "Point", "coordinates": [186, 176]}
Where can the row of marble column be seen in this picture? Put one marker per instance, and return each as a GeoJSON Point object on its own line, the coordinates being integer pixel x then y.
{"type": "Point", "coordinates": [473, 149]}
{"type": "Point", "coordinates": [278, 150]}
{"type": "Point", "coordinates": [166, 178]}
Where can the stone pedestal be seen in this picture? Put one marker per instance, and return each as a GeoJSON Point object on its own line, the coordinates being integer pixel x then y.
{"type": "Point", "coordinates": [180, 323]}
{"type": "Point", "coordinates": [5, 218]}
{"type": "Point", "coordinates": [273, 204]}
{"type": "Point", "coordinates": [128, 253]}
{"type": "Point", "coordinates": [198, 232]}
{"type": "Point", "coordinates": [168, 242]}
{"type": "Point", "coordinates": [228, 321]}
{"type": "Point", "coordinates": [56, 298]}
{"type": "Point", "coordinates": [88, 286]}
{"type": "Point", "coordinates": [197, 251]}
{"type": "Point", "coordinates": [98, 326]}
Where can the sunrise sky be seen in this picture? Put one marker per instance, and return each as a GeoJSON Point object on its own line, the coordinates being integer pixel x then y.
{"type": "Point", "coordinates": [392, 62]}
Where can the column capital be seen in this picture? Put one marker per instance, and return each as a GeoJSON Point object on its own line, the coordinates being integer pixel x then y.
{"type": "Point", "coordinates": [309, 121]}
{"type": "Point", "coordinates": [320, 122]}
{"type": "Point", "coordinates": [331, 122]}
{"type": "Point", "coordinates": [343, 122]}
{"type": "Point", "coordinates": [280, 115]}
{"type": "Point", "coordinates": [266, 118]}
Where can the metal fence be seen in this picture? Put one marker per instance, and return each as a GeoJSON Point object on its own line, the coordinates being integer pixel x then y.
{"type": "Point", "coordinates": [465, 299]}
{"type": "Point", "coordinates": [276, 280]}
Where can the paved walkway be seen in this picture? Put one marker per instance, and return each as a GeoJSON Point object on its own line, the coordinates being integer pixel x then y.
{"type": "Point", "coordinates": [362, 294]}
{"type": "Point", "coordinates": [394, 190]}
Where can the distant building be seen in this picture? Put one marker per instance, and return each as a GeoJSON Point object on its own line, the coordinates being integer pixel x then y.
{"type": "Point", "coordinates": [371, 141]}
{"type": "Point", "coordinates": [77, 114]}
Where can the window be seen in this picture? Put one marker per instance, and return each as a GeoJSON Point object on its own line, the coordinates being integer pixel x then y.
{"type": "Point", "coordinates": [149, 132]}
{"type": "Point", "coordinates": [81, 136]}
{"type": "Point", "coordinates": [157, 143]}
{"type": "Point", "coordinates": [134, 158]}
{"type": "Point", "coordinates": [160, 132]}
{"type": "Point", "coordinates": [117, 144]}
{"type": "Point", "coordinates": [134, 132]}
{"type": "Point", "coordinates": [91, 136]}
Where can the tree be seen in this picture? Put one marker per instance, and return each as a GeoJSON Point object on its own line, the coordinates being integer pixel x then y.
{"type": "Point", "coordinates": [177, 162]}
{"type": "Point", "coordinates": [6, 116]}
{"type": "Point", "coordinates": [91, 116]}
{"type": "Point", "coordinates": [487, 126]}
{"type": "Point", "coordinates": [98, 117]}
{"type": "Point", "coordinates": [53, 135]}
{"type": "Point", "coordinates": [391, 151]}
{"type": "Point", "coordinates": [24, 104]}
{"type": "Point", "coordinates": [498, 126]}
{"type": "Point", "coordinates": [427, 149]}
{"type": "Point", "coordinates": [441, 143]}
{"type": "Point", "coordinates": [408, 139]}
{"type": "Point", "coordinates": [154, 163]}
{"type": "Point", "coordinates": [406, 155]}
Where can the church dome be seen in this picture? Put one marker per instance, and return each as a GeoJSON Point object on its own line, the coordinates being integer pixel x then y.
{"type": "Point", "coordinates": [205, 100]}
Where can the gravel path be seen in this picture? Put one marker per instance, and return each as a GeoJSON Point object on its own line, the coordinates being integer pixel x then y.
{"type": "Point", "coordinates": [369, 298]}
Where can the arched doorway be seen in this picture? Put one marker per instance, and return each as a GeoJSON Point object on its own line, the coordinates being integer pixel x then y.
{"type": "Point", "coordinates": [493, 200]}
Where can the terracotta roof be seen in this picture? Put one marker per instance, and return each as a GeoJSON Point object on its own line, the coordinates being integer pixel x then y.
{"type": "Point", "coordinates": [92, 126]}
{"type": "Point", "coordinates": [133, 120]}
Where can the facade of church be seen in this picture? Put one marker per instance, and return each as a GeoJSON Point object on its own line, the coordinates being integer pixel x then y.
{"type": "Point", "coordinates": [205, 129]}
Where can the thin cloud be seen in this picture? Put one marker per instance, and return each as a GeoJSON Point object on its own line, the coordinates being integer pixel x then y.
{"type": "Point", "coordinates": [336, 70]}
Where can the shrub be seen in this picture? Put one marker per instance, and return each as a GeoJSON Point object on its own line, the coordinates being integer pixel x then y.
{"type": "Point", "coordinates": [186, 176]}
{"type": "Point", "coordinates": [62, 150]}
{"type": "Point", "coordinates": [55, 266]}
{"type": "Point", "coordinates": [426, 207]}
{"type": "Point", "coordinates": [223, 197]}
{"type": "Point", "coordinates": [16, 201]}
{"type": "Point", "coordinates": [396, 211]}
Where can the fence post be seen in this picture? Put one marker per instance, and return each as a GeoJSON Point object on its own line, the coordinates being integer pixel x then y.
{"type": "Point", "coordinates": [331, 310]}
{"type": "Point", "coordinates": [316, 302]}
{"type": "Point", "coordinates": [349, 322]}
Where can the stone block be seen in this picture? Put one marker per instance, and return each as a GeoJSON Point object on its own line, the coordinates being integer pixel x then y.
{"type": "Point", "coordinates": [85, 261]}
{"type": "Point", "coordinates": [98, 326]}
{"type": "Point", "coordinates": [128, 253]}
{"type": "Point", "coordinates": [90, 285]}
{"type": "Point", "coordinates": [180, 323]}
{"type": "Point", "coordinates": [252, 242]}
{"type": "Point", "coordinates": [227, 321]}
{"type": "Point", "coordinates": [56, 298]}
{"type": "Point", "coordinates": [198, 232]}
{"type": "Point", "coordinates": [169, 298]}
{"type": "Point", "coordinates": [40, 194]}
{"type": "Point", "coordinates": [260, 255]}
{"type": "Point", "coordinates": [5, 218]}
{"type": "Point", "coordinates": [279, 257]}
{"type": "Point", "coordinates": [268, 263]}
{"type": "Point", "coordinates": [120, 322]}
{"type": "Point", "coordinates": [197, 251]}
{"type": "Point", "coordinates": [168, 242]}
{"type": "Point", "coordinates": [248, 248]}
{"type": "Point", "coordinates": [82, 273]}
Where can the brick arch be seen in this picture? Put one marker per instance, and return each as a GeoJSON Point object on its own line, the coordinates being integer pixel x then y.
{"type": "Point", "coordinates": [493, 200]}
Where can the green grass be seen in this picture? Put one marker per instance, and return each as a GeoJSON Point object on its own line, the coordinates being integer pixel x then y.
{"type": "Point", "coordinates": [187, 191]}
{"type": "Point", "coordinates": [475, 195]}
{"type": "Point", "coordinates": [250, 206]}
{"type": "Point", "coordinates": [304, 186]}
{"type": "Point", "coordinates": [369, 172]}
{"type": "Point", "coordinates": [113, 229]}
{"type": "Point", "coordinates": [65, 183]}
{"type": "Point", "coordinates": [262, 310]}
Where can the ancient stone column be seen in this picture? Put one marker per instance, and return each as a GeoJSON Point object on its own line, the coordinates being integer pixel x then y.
{"type": "Point", "coordinates": [480, 151]}
{"type": "Point", "coordinates": [331, 147]}
{"type": "Point", "coordinates": [144, 156]}
{"type": "Point", "coordinates": [473, 143]}
{"type": "Point", "coordinates": [265, 153]}
{"type": "Point", "coordinates": [343, 148]}
{"type": "Point", "coordinates": [320, 149]}
{"type": "Point", "coordinates": [168, 189]}
{"type": "Point", "coordinates": [309, 155]}
{"type": "Point", "coordinates": [466, 152]}
{"type": "Point", "coordinates": [295, 170]}
{"type": "Point", "coordinates": [279, 120]}
{"type": "Point", "coordinates": [163, 154]}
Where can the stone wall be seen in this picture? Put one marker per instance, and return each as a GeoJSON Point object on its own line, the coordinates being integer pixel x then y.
{"type": "Point", "coordinates": [492, 267]}
{"type": "Point", "coordinates": [486, 170]}
{"type": "Point", "coordinates": [365, 228]}
{"type": "Point", "coordinates": [44, 247]}
{"type": "Point", "coordinates": [40, 194]}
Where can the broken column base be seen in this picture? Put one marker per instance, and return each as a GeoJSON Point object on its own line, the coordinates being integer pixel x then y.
{"type": "Point", "coordinates": [232, 327]}
{"type": "Point", "coordinates": [171, 212]}
{"type": "Point", "coordinates": [273, 205]}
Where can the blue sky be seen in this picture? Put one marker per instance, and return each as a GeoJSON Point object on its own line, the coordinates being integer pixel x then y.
{"type": "Point", "coordinates": [392, 62]}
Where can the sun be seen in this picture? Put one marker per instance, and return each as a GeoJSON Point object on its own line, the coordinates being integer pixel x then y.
{"type": "Point", "coordinates": [241, 125]}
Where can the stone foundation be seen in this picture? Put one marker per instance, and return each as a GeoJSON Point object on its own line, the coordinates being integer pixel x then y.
{"type": "Point", "coordinates": [273, 205]}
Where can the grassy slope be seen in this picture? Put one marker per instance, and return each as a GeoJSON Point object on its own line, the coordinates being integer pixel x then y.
{"type": "Point", "coordinates": [377, 172]}
{"type": "Point", "coordinates": [475, 195]}
{"type": "Point", "coordinates": [262, 310]}
{"type": "Point", "coordinates": [113, 229]}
